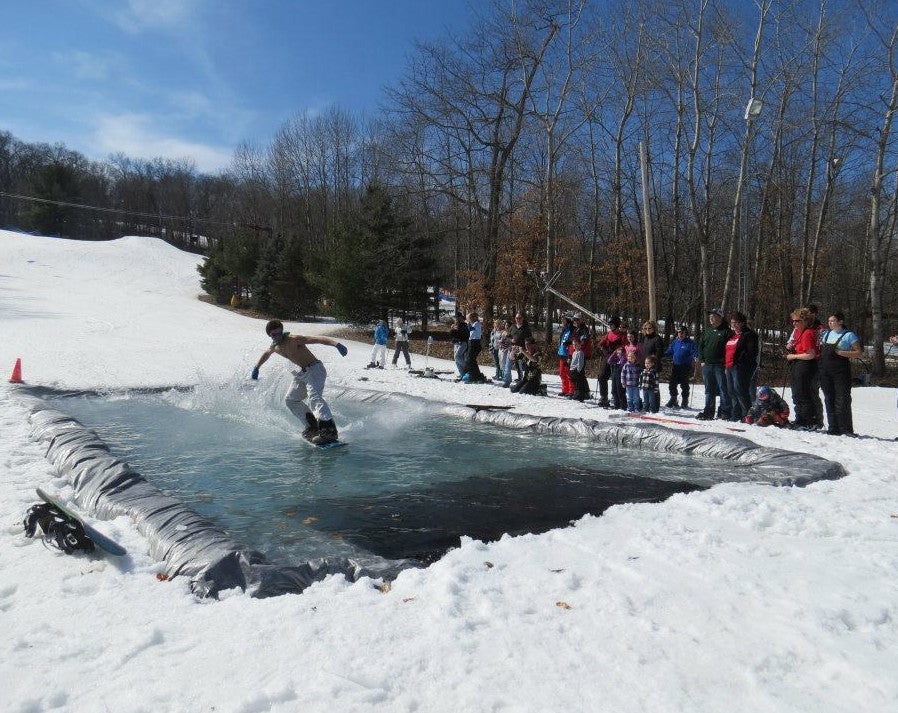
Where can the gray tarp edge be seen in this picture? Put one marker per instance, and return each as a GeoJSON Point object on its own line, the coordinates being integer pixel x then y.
{"type": "Point", "coordinates": [781, 467]}
{"type": "Point", "coordinates": [187, 543]}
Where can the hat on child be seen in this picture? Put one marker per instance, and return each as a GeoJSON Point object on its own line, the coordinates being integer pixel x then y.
{"type": "Point", "coordinates": [763, 393]}
{"type": "Point", "coordinates": [718, 312]}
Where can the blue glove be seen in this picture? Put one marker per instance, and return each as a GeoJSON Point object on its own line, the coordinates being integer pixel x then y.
{"type": "Point", "coordinates": [343, 350]}
{"type": "Point", "coordinates": [255, 373]}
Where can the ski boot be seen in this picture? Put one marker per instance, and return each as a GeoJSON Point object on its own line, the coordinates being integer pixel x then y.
{"type": "Point", "coordinates": [327, 433]}
{"type": "Point", "coordinates": [312, 429]}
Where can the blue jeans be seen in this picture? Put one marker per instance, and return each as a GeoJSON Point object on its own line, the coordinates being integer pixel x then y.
{"type": "Point", "coordinates": [738, 382]}
{"type": "Point", "coordinates": [714, 377]}
{"type": "Point", "coordinates": [632, 399]}
{"type": "Point", "coordinates": [650, 400]}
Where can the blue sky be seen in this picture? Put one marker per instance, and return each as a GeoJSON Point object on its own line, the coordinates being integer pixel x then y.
{"type": "Point", "coordinates": [194, 78]}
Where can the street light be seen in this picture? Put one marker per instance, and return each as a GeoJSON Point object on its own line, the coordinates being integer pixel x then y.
{"type": "Point", "coordinates": [753, 109]}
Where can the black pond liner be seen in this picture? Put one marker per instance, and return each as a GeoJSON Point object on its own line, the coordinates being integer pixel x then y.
{"type": "Point", "coordinates": [424, 524]}
{"type": "Point", "coordinates": [192, 546]}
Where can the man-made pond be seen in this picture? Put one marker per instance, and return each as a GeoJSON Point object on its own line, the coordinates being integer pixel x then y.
{"type": "Point", "coordinates": [410, 481]}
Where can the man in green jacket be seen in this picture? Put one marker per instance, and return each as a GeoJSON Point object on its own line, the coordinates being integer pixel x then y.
{"type": "Point", "coordinates": [711, 352]}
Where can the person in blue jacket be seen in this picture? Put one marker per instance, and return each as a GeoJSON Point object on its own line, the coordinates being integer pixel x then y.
{"type": "Point", "coordinates": [379, 353]}
{"type": "Point", "coordinates": [565, 340]}
{"type": "Point", "coordinates": [684, 353]}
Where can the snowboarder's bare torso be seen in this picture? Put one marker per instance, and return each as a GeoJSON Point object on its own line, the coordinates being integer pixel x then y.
{"type": "Point", "coordinates": [293, 347]}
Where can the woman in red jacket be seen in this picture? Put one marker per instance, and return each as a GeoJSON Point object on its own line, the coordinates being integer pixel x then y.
{"type": "Point", "coordinates": [803, 360]}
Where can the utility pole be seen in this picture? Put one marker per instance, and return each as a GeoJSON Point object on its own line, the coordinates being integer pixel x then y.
{"type": "Point", "coordinates": [649, 242]}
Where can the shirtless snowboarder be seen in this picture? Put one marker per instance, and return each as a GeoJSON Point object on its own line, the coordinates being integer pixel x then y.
{"type": "Point", "coordinates": [308, 381]}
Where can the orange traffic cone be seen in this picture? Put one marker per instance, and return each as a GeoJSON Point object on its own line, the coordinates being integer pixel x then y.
{"type": "Point", "coordinates": [16, 377]}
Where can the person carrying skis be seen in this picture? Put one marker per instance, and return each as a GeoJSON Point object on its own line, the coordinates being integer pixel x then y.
{"type": "Point", "coordinates": [308, 381]}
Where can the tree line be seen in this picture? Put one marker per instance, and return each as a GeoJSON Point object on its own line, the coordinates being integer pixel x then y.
{"type": "Point", "coordinates": [768, 130]}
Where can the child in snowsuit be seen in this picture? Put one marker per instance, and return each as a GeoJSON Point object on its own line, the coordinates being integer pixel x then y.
{"type": "Point", "coordinates": [648, 385]}
{"type": "Point", "coordinates": [768, 409]}
{"type": "Point", "coordinates": [629, 378]}
{"type": "Point", "coordinates": [379, 353]}
{"type": "Point", "coordinates": [578, 372]}
{"type": "Point", "coordinates": [616, 337]}
{"type": "Point", "coordinates": [616, 361]}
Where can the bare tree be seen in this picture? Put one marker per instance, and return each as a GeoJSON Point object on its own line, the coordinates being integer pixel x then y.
{"type": "Point", "coordinates": [883, 25]}
{"type": "Point", "coordinates": [548, 95]}
{"type": "Point", "coordinates": [753, 65]}
{"type": "Point", "coordinates": [473, 93]}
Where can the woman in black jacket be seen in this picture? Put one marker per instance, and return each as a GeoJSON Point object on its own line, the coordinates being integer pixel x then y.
{"type": "Point", "coordinates": [740, 360]}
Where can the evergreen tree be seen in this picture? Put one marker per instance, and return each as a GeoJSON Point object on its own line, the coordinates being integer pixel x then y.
{"type": "Point", "coordinates": [362, 271]}
{"type": "Point", "coordinates": [266, 273]}
{"type": "Point", "coordinates": [54, 183]}
{"type": "Point", "coordinates": [230, 266]}
{"type": "Point", "coordinates": [280, 285]}
{"type": "Point", "coordinates": [381, 264]}
{"type": "Point", "coordinates": [213, 277]}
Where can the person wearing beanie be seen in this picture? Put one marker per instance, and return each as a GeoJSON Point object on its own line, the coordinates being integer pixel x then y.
{"type": "Point", "coordinates": [683, 352]}
{"type": "Point", "coordinates": [712, 350]}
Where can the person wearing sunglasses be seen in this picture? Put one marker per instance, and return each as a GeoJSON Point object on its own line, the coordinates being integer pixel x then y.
{"type": "Point", "coordinates": [803, 362]}
{"type": "Point", "coordinates": [308, 381]}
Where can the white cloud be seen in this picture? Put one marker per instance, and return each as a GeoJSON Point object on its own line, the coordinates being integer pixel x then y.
{"type": "Point", "coordinates": [193, 104]}
{"type": "Point", "coordinates": [16, 85]}
{"type": "Point", "coordinates": [142, 15]}
{"type": "Point", "coordinates": [136, 136]}
{"type": "Point", "coordinates": [86, 65]}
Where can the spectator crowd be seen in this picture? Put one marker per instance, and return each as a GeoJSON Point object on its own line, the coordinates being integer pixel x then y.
{"type": "Point", "coordinates": [726, 356]}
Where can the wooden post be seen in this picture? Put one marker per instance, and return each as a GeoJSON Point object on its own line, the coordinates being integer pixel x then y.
{"type": "Point", "coordinates": [649, 242]}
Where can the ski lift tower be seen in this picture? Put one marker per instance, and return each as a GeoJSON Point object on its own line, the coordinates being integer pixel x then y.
{"type": "Point", "coordinates": [546, 284]}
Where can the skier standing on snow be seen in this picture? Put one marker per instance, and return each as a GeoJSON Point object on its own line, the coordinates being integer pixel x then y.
{"type": "Point", "coordinates": [402, 343]}
{"type": "Point", "coordinates": [379, 353]}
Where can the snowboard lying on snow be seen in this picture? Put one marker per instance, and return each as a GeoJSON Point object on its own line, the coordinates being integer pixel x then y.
{"type": "Point", "coordinates": [98, 538]}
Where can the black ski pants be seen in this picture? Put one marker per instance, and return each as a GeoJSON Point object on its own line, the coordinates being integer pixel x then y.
{"type": "Point", "coordinates": [680, 374]}
{"type": "Point", "coordinates": [835, 380]}
{"type": "Point", "coordinates": [804, 374]}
